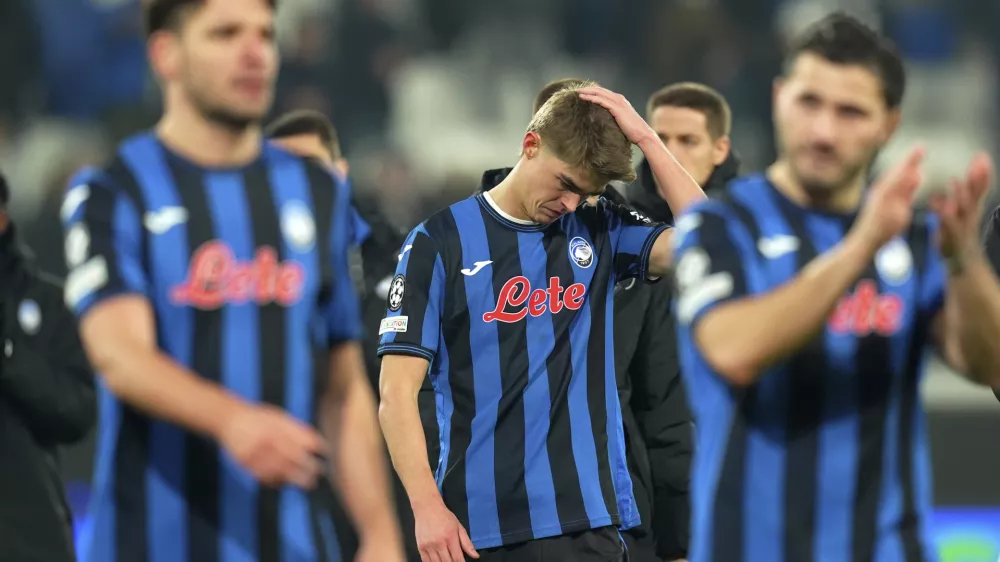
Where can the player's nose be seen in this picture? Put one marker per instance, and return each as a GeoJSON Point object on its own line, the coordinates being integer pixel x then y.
{"type": "Point", "coordinates": [570, 202]}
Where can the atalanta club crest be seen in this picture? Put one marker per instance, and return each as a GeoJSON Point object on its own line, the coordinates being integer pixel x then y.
{"type": "Point", "coordinates": [396, 293]}
{"type": "Point", "coordinates": [581, 252]}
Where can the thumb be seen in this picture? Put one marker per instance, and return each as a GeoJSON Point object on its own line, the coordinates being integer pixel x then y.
{"type": "Point", "coordinates": [463, 538]}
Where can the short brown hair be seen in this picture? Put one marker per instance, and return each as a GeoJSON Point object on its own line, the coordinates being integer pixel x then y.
{"type": "Point", "coordinates": [585, 136]}
{"type": "Point", "coordinates": [698, 97]}
{"type": "Point", "coordinates": [552, 87]}
{"type": "Point", "coordinates": [169, 15]}
{"type": "Point", "coordinates": [306, 122]}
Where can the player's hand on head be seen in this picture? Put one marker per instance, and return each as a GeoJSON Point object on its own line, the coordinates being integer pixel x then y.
{"type": "Point", "coordinates": [440, 535]}
{"type": "Point", "coordinates": [273, 446]}
{"type": "Point", "coordinates": [631, 123]}
{"type": "Point", "coordinates": [960, 208]}
{"type": "Point", "coordinates": [889, 207]}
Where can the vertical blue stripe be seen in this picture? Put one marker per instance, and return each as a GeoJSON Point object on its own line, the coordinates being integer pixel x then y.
{"type": "Point", "coordinates": [290, 188]}
{"type": "Point", "coordinates": [166, 504]}
{"type": "Point", "coordinates": [838, 443]}
{"type": "Point", "coordinates": [537, 402]}
{"type": "Point", "coordinates": [240, 369]}
{"type": "Point", "coordinates": [98, 544]}
{"type": "Point", "coordinates": [891, 503]}
{"type": "Point", "coordinates": [580, 422]}
{"type": "Point", "coordinates": [764, 489]}
{"type": "Point", "coordinates": [331, 542]}
{"type": "Point", "coordinates": [480, 476]}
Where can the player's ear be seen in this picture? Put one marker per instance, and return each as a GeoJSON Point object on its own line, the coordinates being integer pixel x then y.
{"type": "Point", "coordinates": [720, 150]}
{"type": "Point", "coordinates": [892, 123]}
{"type": "Point", "coordinates": [164, 54]}
{"type": "Point", "coordinates": [531, 146]}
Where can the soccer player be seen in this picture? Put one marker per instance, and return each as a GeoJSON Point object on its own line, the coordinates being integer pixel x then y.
{"type": "Point", "coordinates": [655, 415]}
{"type": "Point", "coordinates": [806, 303]}
{"type": "Point", "coordinates": [209, 271]}
{"type": "Point", "coordinates": [505, 300]}
{"type": "Point", "coordinates": [694, 122]}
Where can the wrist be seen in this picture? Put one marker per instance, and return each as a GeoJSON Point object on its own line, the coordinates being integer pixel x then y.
{"type": "Point", "coordinates": [861, 245]}
{"type": "Point", "coordinates": [959, 262]}
{"type": "Point", "coordinates": [380, 528]}
{"type": "Point", "coordinates": [227, 409]}
{"type": "Point", "coordinates": [650, 142]}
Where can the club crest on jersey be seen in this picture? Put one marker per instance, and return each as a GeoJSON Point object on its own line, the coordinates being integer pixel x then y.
{"type": "Point", "coordinates": [517, 300]}
{"type": "Point", "coordinates": [581, 252]}
{"type": "Point", "coordinates": [894, 262]}
{"type": "Point", "coordinates": [215, 278]}
{"type": "Point", "coordinates": [297, 226]}
{"type": "Point", "coordinates": [396, 289]}
{"type": "Point", "coordinates": [866, 312]}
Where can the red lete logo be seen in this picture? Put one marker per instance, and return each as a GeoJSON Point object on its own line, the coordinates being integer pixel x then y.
{"type": "Point", "coordinates": [866, 312]}
{"type": "Point", "coordinates": [516, 292]}
{"type": "Point", "coordinates": [216, 278]}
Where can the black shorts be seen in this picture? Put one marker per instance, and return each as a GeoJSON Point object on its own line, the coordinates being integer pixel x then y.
{"type": "Point", "coordinates": [594, 545]}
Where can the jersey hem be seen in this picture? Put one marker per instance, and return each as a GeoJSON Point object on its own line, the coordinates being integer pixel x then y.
{"type": "Point", "coordinates": [526, 535]}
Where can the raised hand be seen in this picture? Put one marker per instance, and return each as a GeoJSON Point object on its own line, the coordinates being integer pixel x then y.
{"type": "Point", "coordinates": [960, 208]}
{"type": "Point", "coordinates": [629, 121]}
{"type": "Point", "coordinates": [889, 206]}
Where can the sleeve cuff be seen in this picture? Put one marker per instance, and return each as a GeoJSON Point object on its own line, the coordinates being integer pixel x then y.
{"type": "Point", "coordinates": [647, 249]}
{"type": "Point", "coordinates": [406, 349]}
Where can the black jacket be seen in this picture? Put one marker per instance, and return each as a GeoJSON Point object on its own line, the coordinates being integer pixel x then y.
{"type": "Point", "coordinates": [991, 240]}
{"type": "Point", "coordinates": [46, 400]}
{"type": "Point", "coordinates": [643, 196]}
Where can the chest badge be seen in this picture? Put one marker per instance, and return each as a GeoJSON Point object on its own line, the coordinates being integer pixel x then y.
{"type": "Point", "coordinates": [581, 252]}
{"type": "Point", "coordinates": [29, 316]}
{"type": "Point", "coordinates": [297, 226]}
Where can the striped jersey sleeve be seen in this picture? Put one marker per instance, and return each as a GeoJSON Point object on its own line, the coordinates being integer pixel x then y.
{"type": "Point", "coordinates": [103, 237]}
{"type": "Point", "coordinates": [710, 262]}
{"type": "Point", "coordinates": [632, 236]}
{"type": "Point", "coordinates": [414, 306]}
{"type": "Point", "coordinates": [343, 311]}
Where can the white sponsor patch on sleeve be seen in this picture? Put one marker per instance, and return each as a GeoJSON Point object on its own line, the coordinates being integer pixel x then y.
{"type": "Point", "coordinates": [710, 289]}
{"type": "Point", "coordinates": [85, 280]}
{"type": "Point", "coordinates": [393, 324]}
{"type": "Point", "coordinates": [71, 202]}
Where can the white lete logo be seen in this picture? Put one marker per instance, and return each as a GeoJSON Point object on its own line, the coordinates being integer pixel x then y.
{"type": "Point", "coordinates": [166, 218]}
{"type": "Point", "coordinates": [478, 265]}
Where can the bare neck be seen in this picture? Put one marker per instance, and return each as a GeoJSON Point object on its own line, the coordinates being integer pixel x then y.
{"type": "Point", "coordinates": [844, 200]}
{"type": "Point", "coordinates": [206, 143]}
{"type": "Point", "coordinates": [505, 195]}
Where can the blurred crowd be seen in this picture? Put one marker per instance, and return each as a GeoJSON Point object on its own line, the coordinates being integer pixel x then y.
{"type": "Point", "coordinates": [427, 93]}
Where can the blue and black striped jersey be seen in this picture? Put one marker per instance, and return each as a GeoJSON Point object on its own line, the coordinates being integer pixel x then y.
{"type": "Point", "coordinates": [825, 456]}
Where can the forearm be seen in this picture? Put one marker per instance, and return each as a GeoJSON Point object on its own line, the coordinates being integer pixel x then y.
{"type": "Point", "coordinates": [359, 468]}
{"type": "Point", "coordinates": [973, 308]}
{"type": "Point", "coordinates": [404, 434]}
{"type": "Point", "coordinates": [152, 382]}
{"type": "Point", "coordinates": [675, 185]}
{"type": "Point", "coordinates": [783, 320]}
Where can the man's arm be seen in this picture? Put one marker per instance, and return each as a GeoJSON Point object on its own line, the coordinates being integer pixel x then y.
{"type": "Point", "coordinates": [49, 381]}
{"type": "Point", "coordinates": [349, 421]}
{"type": "Point", "coordinates": [674, 184]}
{"type": "Point", "coordinates": [713, 298]}
{"type": "Point", "coordinates": [968, 328]}
{"type": "Point", "coordinates": [661, 409]}
{"type": "Point", "coordinates": [399, 415]}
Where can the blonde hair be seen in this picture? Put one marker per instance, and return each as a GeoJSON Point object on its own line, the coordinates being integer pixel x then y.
{"type": "Point", "coordinates": [584, 135]}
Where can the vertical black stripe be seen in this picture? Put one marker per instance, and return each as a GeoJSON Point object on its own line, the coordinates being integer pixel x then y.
{"type": "Point", "coordinates": [201, 470]}
{"type": "Point", "coordinates": [443, 229]}
{"type": "Point", "coordinates": [315, 509]}
{"type": "Point", "coordinates": [272, 326]}
{"type": "Point", "coordinates": [597, 372]}
{"type": "Point", "coordinates": [806, 375]}
{"type": "Point", "coordinates": [559, 441]}
{"type": "Point", "coordinates": [874, 375]}
{"type": "Point", "coordinates": [909, 404]}
{"type": "Point", "coordinates": [728, 522]}
{"type": "Point", "coordinates": [508, 440]}
{"type": "Point", "coordinates": [128, 483]}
